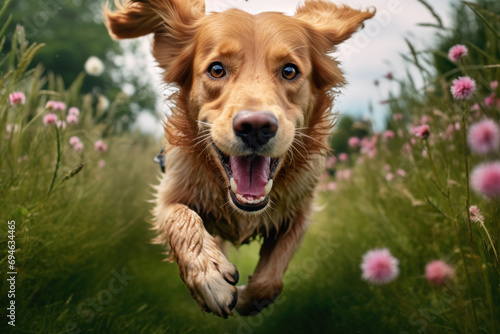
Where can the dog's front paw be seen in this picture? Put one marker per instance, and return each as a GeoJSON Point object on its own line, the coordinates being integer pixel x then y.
{"type": "Point", "coordinates": [211, 279]}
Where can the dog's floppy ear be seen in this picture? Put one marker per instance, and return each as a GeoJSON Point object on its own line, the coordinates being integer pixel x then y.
{"type": "Point", "coordinates": [137, 18]}
{"type": "Point", "coordinates": [174, 24]}
{"type": "Point", "coordinates": [335, 23]}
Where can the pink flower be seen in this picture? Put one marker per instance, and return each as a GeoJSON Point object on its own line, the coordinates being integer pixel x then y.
{"type": "Point", "coordinates": [379, 266]}
{"type": "Point", "coordinates": [484, 137]}
{"type": "Point", "coordinates": [389, 177]}
{"type": "Point", "coordinates": [344, 174]}
{"type": "Point", "coordinates": [437, 272]}
{"type": "Point", "coordinates": [422, 131]}
{"type": "Point", "coordinates": [368, 144]}
{"type": "Point", "coordinates": [463, 88]}
{"type": "Point", "coordinates": [450, 129]}
{"type": "Point", "coordinates": [397, 117]}
{"type": "Point", "coordinates": [475, 214]}
{"type": "Point", "coordinates": [74, 111]}
{"type": "Point", "coordinates": [100, 146]}
{"type": "Point", "coordinates": [407, 148]}
{"type": "Point", "coordinates": [16, 98]}
{"type": "Point", "coordinates": [55, 105]}
{"type": "Point", "coordinates": [50, 118]}
{"type": "Point", "coordinates": [74, 140]}
{"type": "Point", "coordinates": [101, 163]}
{"type": "Point", "coordinates": [401, 173]}
{"type": "Point", "coordinates": [61, 124]}
{"type": "Point", "coordinates": [425, 119]}
{"type": "Point", "coordinates": [387, 168]}
{"type": "Point", "coordinates": [11, 128]}
{"type": "Point", "coordinates": [457, 52]}
{"type": "Point", "coordinates": [389, 134]}
{"type": "Point", "coordinates": [330, 162]}
{"type": "Point", "coordinates": [354, 142]}
{"type": "Point", "coordinates": [475, 107]}
{"type": "Point", "coordinates": [458, 126]}
{"type": "Point", "coordinates": [485, 179]}
{"type": "Point", "coordinates": [372, 153]}
{"type": "Point", "coordinates": [78, 147]}
{"type": "Point", "coordinates": [494, 85]}
{"type": "Point", "coordinates": [331, 186]}
{"type": "Point", "coordinates": [490, 100]}
{"type": "Point", "coordinates": [72, 119]}
{"type": "Point", "coordinates": [343, 156]}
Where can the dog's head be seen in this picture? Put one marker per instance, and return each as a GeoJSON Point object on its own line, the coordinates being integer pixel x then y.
{"type": "Point", "coordinates": [254, 88]}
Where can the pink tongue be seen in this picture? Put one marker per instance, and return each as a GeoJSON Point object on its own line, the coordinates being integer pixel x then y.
{"type": "Point", "coordinates": [251, 174]}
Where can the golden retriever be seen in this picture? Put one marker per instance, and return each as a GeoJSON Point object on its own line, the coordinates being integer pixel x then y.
{"type": "Point", "coordinates": [247, 138]}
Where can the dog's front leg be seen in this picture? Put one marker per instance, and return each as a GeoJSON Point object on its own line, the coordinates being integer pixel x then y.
{"type": "Point", "coordinates": [265, 285]}
{"type": "Point", "coordinates": [210, 277]}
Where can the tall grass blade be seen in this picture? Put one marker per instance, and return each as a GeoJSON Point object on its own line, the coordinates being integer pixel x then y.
{"type": "Point", "coordinates": [478, 11]}
{"type": "Point", "coordinates": [433, 13]}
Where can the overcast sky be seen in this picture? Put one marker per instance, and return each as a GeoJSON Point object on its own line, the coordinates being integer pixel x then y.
{"type": "Point", "coordinates": [367, 56]}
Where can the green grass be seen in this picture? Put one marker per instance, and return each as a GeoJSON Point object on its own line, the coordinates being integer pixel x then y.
{"type": "Point", "coordinates": [74, 244]}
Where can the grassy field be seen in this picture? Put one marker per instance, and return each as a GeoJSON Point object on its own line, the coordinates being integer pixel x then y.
{"type": "Point", "coordinates": [85, 263]}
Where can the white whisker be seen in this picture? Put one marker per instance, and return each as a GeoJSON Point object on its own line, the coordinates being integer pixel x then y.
{"type": "Point", "coordinates": [307, 136]}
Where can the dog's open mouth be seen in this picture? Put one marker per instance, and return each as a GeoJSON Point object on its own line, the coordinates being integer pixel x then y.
{"type": "Point", "coordinates": [250, 178]}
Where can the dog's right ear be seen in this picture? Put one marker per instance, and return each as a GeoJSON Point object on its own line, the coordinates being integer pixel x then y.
{"type": "Point", "coordinates": [174, 24]}
{"type": "Point", "coordinates": [137, 18]}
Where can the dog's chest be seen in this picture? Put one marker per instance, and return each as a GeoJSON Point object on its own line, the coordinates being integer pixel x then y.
{"type": "Point", "coordinates": [235, 229]}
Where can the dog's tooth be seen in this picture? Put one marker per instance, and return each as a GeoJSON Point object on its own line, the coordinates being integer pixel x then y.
{"type": "Point", "coordinates": [241, 199]}
{"type": "Point", "coordinates": [234, 188]}
{"type": "Point", "coordinates": [262, 199]}
{"type": "Point", "coordinates": [269, 186]}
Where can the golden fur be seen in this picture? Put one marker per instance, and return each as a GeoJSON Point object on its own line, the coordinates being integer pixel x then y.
{"type": "Point", "coordinates": [192, 204]}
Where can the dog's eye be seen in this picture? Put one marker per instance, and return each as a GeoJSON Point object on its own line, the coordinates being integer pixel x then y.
{"type": "Point", "coordinates": [290, 72]}
{"type": "Point", "coordinates": [216, 70]}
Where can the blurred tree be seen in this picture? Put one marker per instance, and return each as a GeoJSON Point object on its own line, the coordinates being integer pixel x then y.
{"type": "Point", "coordinates": [73, 31]}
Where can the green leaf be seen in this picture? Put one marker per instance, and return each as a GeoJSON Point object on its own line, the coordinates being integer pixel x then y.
{"type": "Point", "coordinates": [2, 42]}
{"type": "Point", "coordinates": [436, 16]}
{"type": "Point", "coordinates": [26, 59]}
{"type": "Point", "coordinates": [482, 52]}
{"type": "Point", "coordinates": [5, 77]}
{"type": "Point", "coordinates": [432, 25]}
{"type": "Point", "coordinates": [19, 212]}
{"type": "Point", "coordinates": [6, 24]}
{"type": "Point", "coordinates": [4, 8]}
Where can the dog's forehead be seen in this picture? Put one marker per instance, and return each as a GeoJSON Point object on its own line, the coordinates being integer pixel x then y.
{"type": "Point", "coordinates": [242, 30]}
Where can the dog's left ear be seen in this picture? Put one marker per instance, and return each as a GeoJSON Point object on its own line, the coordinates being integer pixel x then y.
{"type": "Point", "coordinates": [174, 25]}
{"type": "Point", "coordinates": [336, 24]}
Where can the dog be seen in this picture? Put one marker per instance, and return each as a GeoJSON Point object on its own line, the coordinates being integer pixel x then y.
{"type": "Point", "coordinates": [247, 138]}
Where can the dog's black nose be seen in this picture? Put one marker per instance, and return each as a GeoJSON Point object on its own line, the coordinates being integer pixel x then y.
{"type": "Point", "coordinates": [255, 128]}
